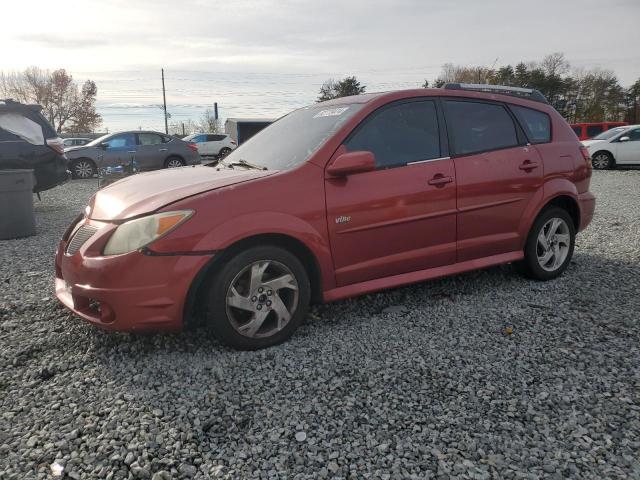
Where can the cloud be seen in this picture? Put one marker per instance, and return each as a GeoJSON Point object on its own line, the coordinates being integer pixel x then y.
{"type": "Point", "coordinates": [55, 40]}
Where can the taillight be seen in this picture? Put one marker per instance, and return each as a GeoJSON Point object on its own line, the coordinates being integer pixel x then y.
{"type": "Point", "coordinates": [192, 146]}
{"type": "Point", "coordinates": [56, 144]}
{"type": "Point", "coordinates": [585, 155]}
{"type": "Point", "coordinates": [233, 143]}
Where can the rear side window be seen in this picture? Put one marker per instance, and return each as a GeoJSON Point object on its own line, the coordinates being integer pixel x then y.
{"type": "Point", "coordinates": [537, 125]}
{"type": "Point", "coordinates": [577, 130]}
{"type": "Point", "coordinates": [399, 134]}
{"type": "Point", "coordinates": [149, 139]}
{"type": "Point", "coordinates": [593, 130]}
{"type": "Point", "coordinates": [479, 127]}
{"type": "Point", "coordinates": [215, 138]}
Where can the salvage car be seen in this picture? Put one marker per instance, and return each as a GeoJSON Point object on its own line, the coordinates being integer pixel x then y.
{"type": "Point", "coordinates": [373, 191]}
{"type": "Point", "coordinates": [28, 141]}
{"type": "Point", "coordinates": [147, 149]}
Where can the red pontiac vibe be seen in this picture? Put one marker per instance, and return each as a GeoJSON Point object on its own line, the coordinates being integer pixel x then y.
{"type": "Point", "coordinates": [333, 200]}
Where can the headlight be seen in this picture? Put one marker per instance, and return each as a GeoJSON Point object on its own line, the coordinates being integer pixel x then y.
{"type": "Point", "coordinates": [135, 234]}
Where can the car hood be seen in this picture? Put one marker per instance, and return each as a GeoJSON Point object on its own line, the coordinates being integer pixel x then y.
{"type": "Point", "coordinates": [589, 143]}
{"type": "Point", "coordinates": [147, 192]}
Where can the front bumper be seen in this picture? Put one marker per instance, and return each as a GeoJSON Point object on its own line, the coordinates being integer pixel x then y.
{"type": "Point", "coordinates": [587, 205]}
{"type": "Point", "coordinates": [131, 292]}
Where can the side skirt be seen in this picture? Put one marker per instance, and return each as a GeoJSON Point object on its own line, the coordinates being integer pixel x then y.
{"type": "Point", "coordinates": [418, 276]}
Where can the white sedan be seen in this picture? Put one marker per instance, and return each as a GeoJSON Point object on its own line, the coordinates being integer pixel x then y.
{"type": "Point", "coordinates": [618, 146]}
{"type": "Point", "coordinates": [212, 144]}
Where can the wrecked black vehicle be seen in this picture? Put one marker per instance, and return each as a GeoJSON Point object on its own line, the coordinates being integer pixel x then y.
{"type": "Point", "coordinates": [28, 141]}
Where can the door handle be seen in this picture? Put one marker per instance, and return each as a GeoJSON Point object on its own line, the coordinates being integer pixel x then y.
{"type": "Point", "coordinates": [440, 180]}
{"type": "Point", "coordinates": [528, 165]}
{"type": "Point", "coordinates": [131, 151]}
{"type": "Point", "coordinates": [163, 150]}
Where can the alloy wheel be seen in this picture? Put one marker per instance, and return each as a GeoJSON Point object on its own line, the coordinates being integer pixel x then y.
{"type": "Point", "coordinates": [174, 163]}
{"type": "Point", "coordinates": [600, 161]}
{"type": "Point", "coordinates": [262, 299]}
{"type": "Point", "coordinates": [83, 169]}
{"type": "Point", "coordinates": [554, 243]}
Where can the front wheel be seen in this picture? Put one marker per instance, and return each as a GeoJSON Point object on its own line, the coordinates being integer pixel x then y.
{"type": "Point", "coordinates": [549, 246]}
{"type": "Point", "coordinates": [602, 161]}
{"type": "Point", "coordinates": [174, 162]}
{"type": "Point", "coordinates": [258, 298]}
{"type": "Point", "coordinates": [83, 168]}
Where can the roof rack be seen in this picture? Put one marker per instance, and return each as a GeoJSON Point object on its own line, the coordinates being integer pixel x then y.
{"type": "Point", "coordinates": [11, 104]}
{"type": "Point", "coordinates": [528, 93]}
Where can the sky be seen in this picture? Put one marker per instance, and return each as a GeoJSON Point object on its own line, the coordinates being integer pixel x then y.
{"type": "Point", "coordinates": [263, 58]}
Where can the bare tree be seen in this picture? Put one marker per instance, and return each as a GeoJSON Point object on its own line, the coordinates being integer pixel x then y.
{"type": "Point", "coordinates": [63, 103]}
{"type": "Point", "coordinates": [208, 123]}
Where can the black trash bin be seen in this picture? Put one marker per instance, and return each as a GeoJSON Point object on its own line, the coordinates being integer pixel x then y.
{"type": "Point", "coordinates": [16, 204]}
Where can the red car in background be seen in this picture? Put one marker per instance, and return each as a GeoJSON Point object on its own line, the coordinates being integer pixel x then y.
{"type": "Point", "coordinates": [585, 131]}
{"type": "Point", "coordinates": [334, 200]}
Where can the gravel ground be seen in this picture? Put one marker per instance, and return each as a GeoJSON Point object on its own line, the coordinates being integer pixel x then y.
{"type": "Point", "coordinates": [417, 382]}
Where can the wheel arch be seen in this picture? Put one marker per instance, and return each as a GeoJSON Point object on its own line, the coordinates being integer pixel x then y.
{"type": "Point", "coordinates": [199, 285]}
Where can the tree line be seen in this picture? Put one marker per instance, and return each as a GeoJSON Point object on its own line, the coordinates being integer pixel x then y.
{"type": "Point", "coordinates": [580, 95]}
{"type": "Point", "coordinates": [68, 106]}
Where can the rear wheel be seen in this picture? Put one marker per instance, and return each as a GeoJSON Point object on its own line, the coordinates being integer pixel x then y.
{"type": "Point", "coordinates": [83, 168]}
{"type": "Point", "coordinates": [258, 298]}
{"type": "Point", "coordinates": [549, 246]}
{"type": "Point", "coordinates": [602, 161]}
{"type": "Point", "coordinates": [224, 152]}
{"type": "Point", "coordinates": [174, 162]}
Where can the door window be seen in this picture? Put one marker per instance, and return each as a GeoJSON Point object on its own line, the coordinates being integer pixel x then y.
{"type": "Point", "coordinates": [634, 135]}
{"type": "Point", "coordinates": [399, 134]}
{"type": "Point", "coordinates": [149, 139]}
{"type": "Point", "coordinates": [479, 127]}
{"type": "Point", "coordinates": [122, 140]}
{"type": "Point", "coordinates": [593, 130]}
{"type": "Point", "coordinates": [578, 131]}
{"type": "Point", "coordinates": [536, 124]}
{"type": "Point", "coordinates": [199, 139]}
{"type": "Point", "coordinates": [215, 138]}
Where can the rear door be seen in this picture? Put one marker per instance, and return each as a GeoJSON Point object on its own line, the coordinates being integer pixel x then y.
{"type": "Point", "coordinates": [497, 175]}
{"type": "Point", "coordinates": [400, 217]}
{"type": "Point", "coordinates": [629, 151]}
{"type": "Point", "coordinates": [151, 152]}
{"type": "Point", "coordinates": [215, 140]}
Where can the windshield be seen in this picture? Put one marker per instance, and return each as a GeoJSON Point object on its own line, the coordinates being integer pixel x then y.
{"type": "Point", "coordinates": [98, 140]}
{"type": "Point", "coordinates": [609, 133]}
{"type": "Point", "coordinates": [292, 139]}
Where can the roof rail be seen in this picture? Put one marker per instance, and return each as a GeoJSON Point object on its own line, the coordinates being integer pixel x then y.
{"type": "Point", "coordinates": [11, 104]}
{"type": "Point", "coordinates": [528, 93]}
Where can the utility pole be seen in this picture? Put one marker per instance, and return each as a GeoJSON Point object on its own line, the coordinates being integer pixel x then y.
{"type": "Point", "coordinates": [164, 102]}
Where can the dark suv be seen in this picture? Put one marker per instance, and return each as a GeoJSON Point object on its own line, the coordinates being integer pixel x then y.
{"type": "Point", "coordinates": [28, 141]}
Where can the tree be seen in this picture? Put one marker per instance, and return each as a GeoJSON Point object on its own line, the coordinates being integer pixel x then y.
{"type": "Point", "coordinates": [632, 101]}
{"type": "Point", "coordinates": [65, 105]}
{"type": "Point", "coordinates": [425, 84]}
{"type": "Point", "coordinates": [208, 123]}
{"type": "Point", "coordinates": [343, 88]}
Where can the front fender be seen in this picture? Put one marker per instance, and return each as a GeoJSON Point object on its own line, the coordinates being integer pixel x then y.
{"type": "Point", "coordinates": [263, 223]}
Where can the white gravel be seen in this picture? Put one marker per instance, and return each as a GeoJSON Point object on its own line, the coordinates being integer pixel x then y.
{"type": "Point", "coordinates": [434, 387]}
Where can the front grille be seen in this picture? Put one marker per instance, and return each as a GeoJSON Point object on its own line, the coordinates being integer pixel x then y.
{"type": "Point", "coordinates": [84, 233]}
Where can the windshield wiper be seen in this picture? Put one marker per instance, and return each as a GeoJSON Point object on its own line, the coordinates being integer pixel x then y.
{"type": "Point", "coordinates": [244, 163]}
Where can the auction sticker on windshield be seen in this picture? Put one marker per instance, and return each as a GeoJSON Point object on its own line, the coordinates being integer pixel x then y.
{"type": "Point", "coordinates": [332, 112]}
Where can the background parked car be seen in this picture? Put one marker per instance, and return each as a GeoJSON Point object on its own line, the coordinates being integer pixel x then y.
{"type": "Point", "coordinates": [27, 140]}
{"type": "Point", "coordinates": [618, 146]}
{"type": "Point", "coordinates": [75, 142]}
{"type": "Point", "coordinates": [149, 150]}
{"type": "Point", "coordinates": [585, 131]}
{"type": "Point", "coordinates": [214, 144]}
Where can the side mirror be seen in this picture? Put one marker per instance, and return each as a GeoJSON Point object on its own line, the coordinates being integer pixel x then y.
{"type": "Point", "coordinates": [352, 162]}
{"type": "Point", "coordinates": [104, 145]}
{"type": "Point", "coordinates": [624, 139]}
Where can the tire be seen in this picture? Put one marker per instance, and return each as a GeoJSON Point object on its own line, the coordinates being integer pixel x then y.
{"type": "Point", "coordinates": [174, 162]}
{"type": "Point", "coordinates": [83, 168]}
{"type": "Point", "coordinates": [247, 308]}
{"type": "Point", "coordinates": [549, 246]}
{"type": "Point", "coordinates": [224, 152]}
{"type": "Point", "coordinates": [602, 161]}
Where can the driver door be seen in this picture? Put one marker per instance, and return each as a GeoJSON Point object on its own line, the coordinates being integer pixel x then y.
{"type": "Point", "coordinates": [121, 150]}
{"type": "Point", "coordinates": [400, 217]}
{"type": "Point", "coordinates": [629, 151]}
